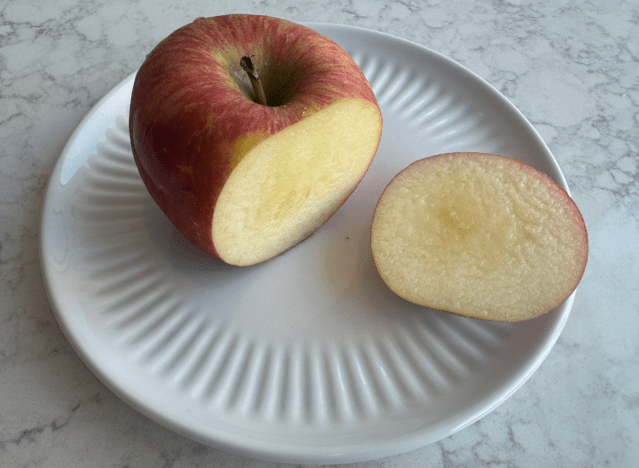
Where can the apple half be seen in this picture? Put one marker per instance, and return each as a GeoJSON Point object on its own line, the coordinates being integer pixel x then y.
{"type": "Point", "coordinates": [479, 235]}
{"type": "Point", "coordinates": [250, 132]}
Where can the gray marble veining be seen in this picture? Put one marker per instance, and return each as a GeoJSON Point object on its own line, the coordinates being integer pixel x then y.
{"type": "Point", "coordinates": [571, 67]}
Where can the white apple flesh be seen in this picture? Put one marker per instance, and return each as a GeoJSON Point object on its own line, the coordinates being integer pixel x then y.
{"type": "Point", "coordinates": [290, 184]}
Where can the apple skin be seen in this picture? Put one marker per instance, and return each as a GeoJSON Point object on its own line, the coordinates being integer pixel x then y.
{"type": "Point", "coordinates": [193, 117]}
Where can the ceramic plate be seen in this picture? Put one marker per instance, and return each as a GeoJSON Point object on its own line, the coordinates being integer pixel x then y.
{"type": "Point", "coordinates": [306, 358]}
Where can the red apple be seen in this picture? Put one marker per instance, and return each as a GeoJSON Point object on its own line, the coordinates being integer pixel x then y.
{"type": "Point", "coordinates": [479, 235]}
{"type": "Point", "coordinates": [242, 180]}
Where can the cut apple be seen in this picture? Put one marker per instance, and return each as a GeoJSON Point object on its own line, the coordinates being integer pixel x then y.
{"type": "Point", "coordinates": [250, 131]}
{"type": "Point", "coordinates": [479, 235]}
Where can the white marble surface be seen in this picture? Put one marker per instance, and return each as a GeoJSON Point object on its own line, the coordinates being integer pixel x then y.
{"type": "Point", "coordinates": [571, 67]}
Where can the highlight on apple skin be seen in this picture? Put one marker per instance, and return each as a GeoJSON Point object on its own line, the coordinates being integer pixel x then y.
{"type": "Point", "coordinates": [479, 235]}
{"type": "Point", "coordinates": [242, 180]}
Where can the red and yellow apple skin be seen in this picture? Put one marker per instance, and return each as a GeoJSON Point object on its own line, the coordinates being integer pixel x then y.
{"type": "Point", "coordinates": [193, 116]}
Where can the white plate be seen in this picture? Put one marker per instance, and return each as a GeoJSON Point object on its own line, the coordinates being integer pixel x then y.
{"type": "Point", "coordinates": [307, 358]}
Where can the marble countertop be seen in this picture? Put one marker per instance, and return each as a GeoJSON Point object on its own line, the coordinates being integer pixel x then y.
{"type": "Point", "coordinates": [571, 67]}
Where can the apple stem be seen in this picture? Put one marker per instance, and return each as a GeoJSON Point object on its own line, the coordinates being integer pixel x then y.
{"type": "Point", "coordinates": [247, 65]}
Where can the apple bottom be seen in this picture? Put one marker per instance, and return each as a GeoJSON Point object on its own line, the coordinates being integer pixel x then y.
{"type": "Point", "coordinates": [290, 184]}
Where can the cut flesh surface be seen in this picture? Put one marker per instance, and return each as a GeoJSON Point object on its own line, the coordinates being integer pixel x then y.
{"type": "Point", "coordinates": [479, 235]}
{"type": "Point", "coordinates": [290, 184]}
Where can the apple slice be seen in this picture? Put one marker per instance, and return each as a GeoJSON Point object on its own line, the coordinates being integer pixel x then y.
{"type": "Point", "coordinates": [479, 235]}
{"type": "Point", "coordinates": [249, 132]}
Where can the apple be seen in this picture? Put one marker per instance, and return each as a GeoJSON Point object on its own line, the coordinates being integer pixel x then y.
{"type": "Point", "coordinates": [479, 235]}
{"type": "Point", "coordinates": [250, 132]}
